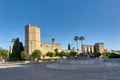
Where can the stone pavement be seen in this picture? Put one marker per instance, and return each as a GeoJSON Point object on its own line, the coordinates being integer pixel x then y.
{"type": "Point", "coordinates": [39, 71]}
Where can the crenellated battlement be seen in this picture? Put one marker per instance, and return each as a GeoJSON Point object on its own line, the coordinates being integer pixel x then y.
{"type": "Point", "coordinates": [29, 25]}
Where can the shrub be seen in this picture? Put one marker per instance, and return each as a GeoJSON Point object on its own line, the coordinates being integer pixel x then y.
{"type": "Point", "coordinates": [4, 54]}
{"type": "Point", "coordinates": [36, 54]}
{"type": "Point", "coordinates": [61, 54]}
{"type": "Point", "coordinates": [24, 55]}
{"type": "Point", "coordinates": [50, 54]}
{"type": "Point", "coordinates": [114, 55]}
{"type": "Point", "coordinates": [56, 52]}
{"type": "Point", "coordinates": [73, 53]}
{"type": "Point", "coordinates": [97, 54]}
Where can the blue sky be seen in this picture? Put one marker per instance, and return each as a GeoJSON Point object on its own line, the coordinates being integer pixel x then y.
{"type": "Point", "coordinates": [96, 20]}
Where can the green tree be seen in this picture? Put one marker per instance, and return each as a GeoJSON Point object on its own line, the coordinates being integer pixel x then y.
{"type": "Point", "coordinates": [17, 49]}
{"type": "Point", "coordinates": [13, 40]}
{"type": "Point", "coordinates": [114, 55]}
{"type": "Point", "coordinates": [4, 54]}
{"type": "Point", "coordinates": [0, 52]}
{"type": "Point", "coordinates": [72, 53]}
{"type": "Point", "coordinates": [37, 54]}
{"type": "Point", "coordinates": [69, 47]}
{"type": "Point", "coordinates": [97, 54]}
{"type": "Point", "coordinates": [76, 38]}
{"type": "Point", "coordinates": [81, 38]}
{"type": "Point", "coordinates": [50, 54]}
{"type": "Point", "coordinates": [106, 54]}
{"type": "Point", "coordinates": [56, 52]}
{"type": "Point", "coordinates": [61, 54]}
{"type": "Point", "coordinates": [24, 55]}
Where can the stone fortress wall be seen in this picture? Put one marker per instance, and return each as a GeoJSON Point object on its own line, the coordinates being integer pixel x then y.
{"type": "Point", "coordinates": [87, 48]}
{"type": "Point", "coordinates": [33, 41]}
{"type": "Point", "coordinates": [98, 47]}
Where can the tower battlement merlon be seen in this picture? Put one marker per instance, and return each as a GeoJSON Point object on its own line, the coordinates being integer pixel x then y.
{"type": "Point", "coordinates": [32, 25]}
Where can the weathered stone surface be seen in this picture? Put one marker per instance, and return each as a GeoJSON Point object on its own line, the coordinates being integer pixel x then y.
{"type": "Point", "coordinates": [33, 41]}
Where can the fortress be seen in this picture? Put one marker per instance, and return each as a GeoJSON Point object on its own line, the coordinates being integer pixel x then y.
{"type": "Point", "coordinates": [33, 41]}
{"type": "Point", "coordinates": [97, 47]}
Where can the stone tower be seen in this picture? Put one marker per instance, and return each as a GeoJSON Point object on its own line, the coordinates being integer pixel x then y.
{"type": "Point", "coordinates": [32, 38]}
{"type": "Point", "coordinates": [99, 47]}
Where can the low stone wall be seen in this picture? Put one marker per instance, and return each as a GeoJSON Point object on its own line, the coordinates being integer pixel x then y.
{"type": "Point", "coordinates": [91, 61]}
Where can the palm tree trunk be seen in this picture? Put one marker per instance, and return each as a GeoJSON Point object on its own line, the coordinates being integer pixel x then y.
{"type": "Point", "coordinates": [81, 44]}
{"type": "Point", "coordinates": [77, 45]}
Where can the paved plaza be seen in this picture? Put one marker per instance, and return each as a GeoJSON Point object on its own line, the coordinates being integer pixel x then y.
{"type": "Point", "coordinates": [39, 71]}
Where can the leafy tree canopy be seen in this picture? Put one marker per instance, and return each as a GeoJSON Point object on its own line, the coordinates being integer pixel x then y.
{"type": "Point", "coordinates": [73, 53]}
{"type": "Point", "coordinates": [17, 49]}
{"type": "Point", "coordinates": [50, 54]}
{"type": "Point", "coordinates": [114, 55]}
{"type": "Point", "coordinates": [82, 38]}
{"type": "Point", "coordinates": [76, 38]}
{"type": "Point", "coordinates": [24, 55]}
{"type": "Point", "coordinates": [61, 54]}
{"type": "Point", "coordinates": [4, 54]}
{"type": "Point", "coordinates": [56, 52]}
{"type": "Point", "coordinates": [37, 54]}
{"type": "Point", "coordinates": [97, 54]}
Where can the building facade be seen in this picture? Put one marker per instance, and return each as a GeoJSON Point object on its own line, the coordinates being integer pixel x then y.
{"type": "Point", "coordinates": [10, 49]}
{"type": "Point", "coordinates": [87, 48]}
{"type": "Point", "coordinates": [33, 41]}
{"type": "Point", "coordinates": [98, 47]}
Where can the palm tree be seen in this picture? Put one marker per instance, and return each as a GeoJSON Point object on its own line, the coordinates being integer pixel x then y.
{"type": "Point", "coordinates": [13, 40]}
{"type": "Point", "coordinates": [76, 38]}
{"type": "Point", "coordinates": [53, 40]}
{"type": "Point", "coordinates": [81, 38]}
